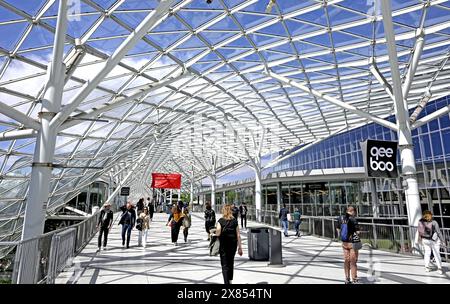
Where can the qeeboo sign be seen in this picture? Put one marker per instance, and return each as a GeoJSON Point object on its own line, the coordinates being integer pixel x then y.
{"type": "Point", "coordinates": [380, 158]}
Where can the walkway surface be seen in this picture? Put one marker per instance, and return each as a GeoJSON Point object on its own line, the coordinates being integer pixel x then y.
{"type": "Point", "coordinates": [308, 259]}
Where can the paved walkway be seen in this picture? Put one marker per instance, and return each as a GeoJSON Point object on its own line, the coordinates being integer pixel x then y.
{"type": "Point", "coordinates": [309, 260]}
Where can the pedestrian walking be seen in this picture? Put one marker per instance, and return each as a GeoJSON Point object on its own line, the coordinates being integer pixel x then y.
{"type": "Point", "coordinates": [151, 207]}
{"type": "Point", "coordinates": [140, 206]}
{"type": "Point", "coordinates": [432, 239]}
{"type": "Point", "coordinates": [210, 219]}
{"type": "Point", "coordinates": [243, 212]}
{"type": "Point", "coordinates": [104, 225]}
{"type": "Point", "coordinates": [348, 231]}
{"type": "Point", "coordinates": [187, 221]}
{"type": "Point", "coordinates": [175, 222]}
{"type": "Point", "coordinates": [127, 220]}
{"type": "Point", "coordinates": [283, 216]}
{"type": "Point", "coordinates": [297, 221]}
{"type": "Point", "coordinates": [227, 230]}
{"type": "Point", "coordinates": [144, 227]}
{"type": "Point", "coordinates": [235, 211]}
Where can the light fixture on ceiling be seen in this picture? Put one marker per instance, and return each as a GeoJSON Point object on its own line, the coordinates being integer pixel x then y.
{"type": "Point", "coordinates": [270, 6]}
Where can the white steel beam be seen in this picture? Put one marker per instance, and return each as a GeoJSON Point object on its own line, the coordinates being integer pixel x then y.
{"type": "Point", "coordinates": [333, 100]}
{"type": "Point", "coordinates": [19, 116]}
{"type": "Point", "coordinates": [36, 206]}
{"type": "Point", "coordinates": [92, 113]}
{"type": "Point", "coordinates": [18, 134]}
{"type": "Point", "coordinates": [418, 48]}
{"type": "Point", "coordinates": [153, 19]}
{"type": "Point", "coordinates": [426, 119]}
{"type": "Point", "coordinates": [375, 72]}
{"type": "Point", "coordinates": [404, 131]}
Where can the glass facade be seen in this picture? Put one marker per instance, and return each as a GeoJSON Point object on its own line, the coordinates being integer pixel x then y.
{"type": "Point", "coordinates": [329, 198]}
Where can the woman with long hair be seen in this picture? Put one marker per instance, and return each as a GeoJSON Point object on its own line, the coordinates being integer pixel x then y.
{"type": "Point", "coordinates": [431, 238]}
{"type": "Point", "coordinates": [227, 229]}
{"type": "Point", "coordinates": [175, 221]}
{"type": "Point", "coordinates": [145, 225]}
{"type": "Point", "coordinates": [140, 206]}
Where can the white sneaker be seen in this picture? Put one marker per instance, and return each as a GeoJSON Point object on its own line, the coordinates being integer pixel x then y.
{"type": "Point", "coordinates": [440, 271]}
{"type": "Point", "coordinates": [427, 269]}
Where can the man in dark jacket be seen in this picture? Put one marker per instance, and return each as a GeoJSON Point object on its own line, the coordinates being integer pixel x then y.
{"type": "Point", "coordinates": [151, 206]}
{"type": "Point", "coordinates": [104, 224]}
{"type": "Point", "coordinates": [243, 211]}
{"type": "Point", "coordinates": [235, 211]}
{"type": "Point", "coordinates": [127, 220]}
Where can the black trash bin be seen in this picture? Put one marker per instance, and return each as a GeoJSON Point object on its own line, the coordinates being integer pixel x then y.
{"type": "Point", "coordinates": [258, 243]}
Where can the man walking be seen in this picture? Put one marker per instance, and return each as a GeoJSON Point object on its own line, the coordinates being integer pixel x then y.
{"type": "Point", "coordinates": [104, 224]}
{"type": "Point", "coordinates": [283, 216]}
{"type": "Point", "coordinates": [243, 211]}
{"type": "Point", "coordinates": [127, 220]}
{"type": "Point", "coordinates": [151, 207]}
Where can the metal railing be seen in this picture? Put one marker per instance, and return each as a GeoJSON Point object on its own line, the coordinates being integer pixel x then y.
{"type": "Point", "coordinates": [41, 259]}
{"type": "Point", "coordinates": [389, 237]}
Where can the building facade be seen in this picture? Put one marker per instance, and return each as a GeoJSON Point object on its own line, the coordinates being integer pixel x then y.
{"type": "Point", "coordinates": [339, 179]}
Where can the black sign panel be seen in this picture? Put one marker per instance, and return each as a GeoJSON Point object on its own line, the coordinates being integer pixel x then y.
{"type": "Point", "coordinates": [380, 158]}
{"type": "Point", "coordinates": [125, 191]}
{"type": "Point", "coordinates": [315, 186]}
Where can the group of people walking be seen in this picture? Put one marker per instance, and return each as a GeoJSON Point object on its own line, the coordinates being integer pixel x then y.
{"type": "Point", "coordinates": [138, 217]}
{"type": "Point", "coordinates": [227, 231]}
{"type": "Point", "coordinates": [285, 217]}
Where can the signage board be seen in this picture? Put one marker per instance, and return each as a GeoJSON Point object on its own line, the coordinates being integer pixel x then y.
{"type": "Point", "coordinates": [380, 158]}
{"type": "Point", "coordinates": [166, 181]}
{"type": "Point", "coordinates": [125, 191]}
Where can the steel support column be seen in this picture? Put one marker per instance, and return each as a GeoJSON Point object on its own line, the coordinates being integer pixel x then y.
{"type": "Point", "coordinates": [403, 124]}
{"type": "Point", "coordinates": [279, 196]}
{"type": "Point", "coordinates": [213, 191]}
{"type": "Point", "coordinates": [46, 139]}
{"type": "Point", "coordinates": [191, 196]}
{"type": "Point", "coordinates": [258, 191]}
{"type": "Point", "coordinates": [374, 195]}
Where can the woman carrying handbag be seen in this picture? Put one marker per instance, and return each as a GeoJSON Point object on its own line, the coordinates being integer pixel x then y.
{"type": "Point", "coordinates": [227, 231]}
{"type": "Point", "coordinates": [175, 222]}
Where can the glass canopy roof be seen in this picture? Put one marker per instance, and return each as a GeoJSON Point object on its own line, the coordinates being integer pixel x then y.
{"type": "Point", "coordinates": [217, 105]}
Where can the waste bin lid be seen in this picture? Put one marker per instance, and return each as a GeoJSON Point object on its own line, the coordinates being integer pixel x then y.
{"type": "Point", "coordinates": [257, 229]}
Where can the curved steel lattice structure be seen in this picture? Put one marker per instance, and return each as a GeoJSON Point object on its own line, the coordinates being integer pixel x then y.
{"type": "Point", "coordinates": [198, 88]}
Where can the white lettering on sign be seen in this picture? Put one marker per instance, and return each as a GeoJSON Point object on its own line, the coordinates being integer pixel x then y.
{"type": "Point", "coordinates": [378, 165]}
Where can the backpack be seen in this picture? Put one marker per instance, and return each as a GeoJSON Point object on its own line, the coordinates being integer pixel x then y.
{"type": "Point", "coordinates": [344, 235]}
{"type": "Point", "coordinates": [425, 229]}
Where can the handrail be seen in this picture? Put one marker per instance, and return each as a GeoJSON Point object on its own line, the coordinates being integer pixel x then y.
{"type": "Point", "coordinates": [42, 258]}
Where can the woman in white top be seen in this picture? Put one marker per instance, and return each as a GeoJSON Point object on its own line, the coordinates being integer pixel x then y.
{"type": "Point", "coordinates": [431, 238]}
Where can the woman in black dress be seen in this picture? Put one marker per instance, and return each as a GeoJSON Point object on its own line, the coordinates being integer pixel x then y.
{"type": "Point", "coordinates": [227, 229]}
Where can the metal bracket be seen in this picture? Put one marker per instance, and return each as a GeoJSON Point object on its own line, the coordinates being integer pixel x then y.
{"type": "Point", "coordinates": [48, 165]}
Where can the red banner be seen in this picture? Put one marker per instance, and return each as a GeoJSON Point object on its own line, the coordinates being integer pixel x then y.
{"type": "Point", "coordinates": [166, 181]}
